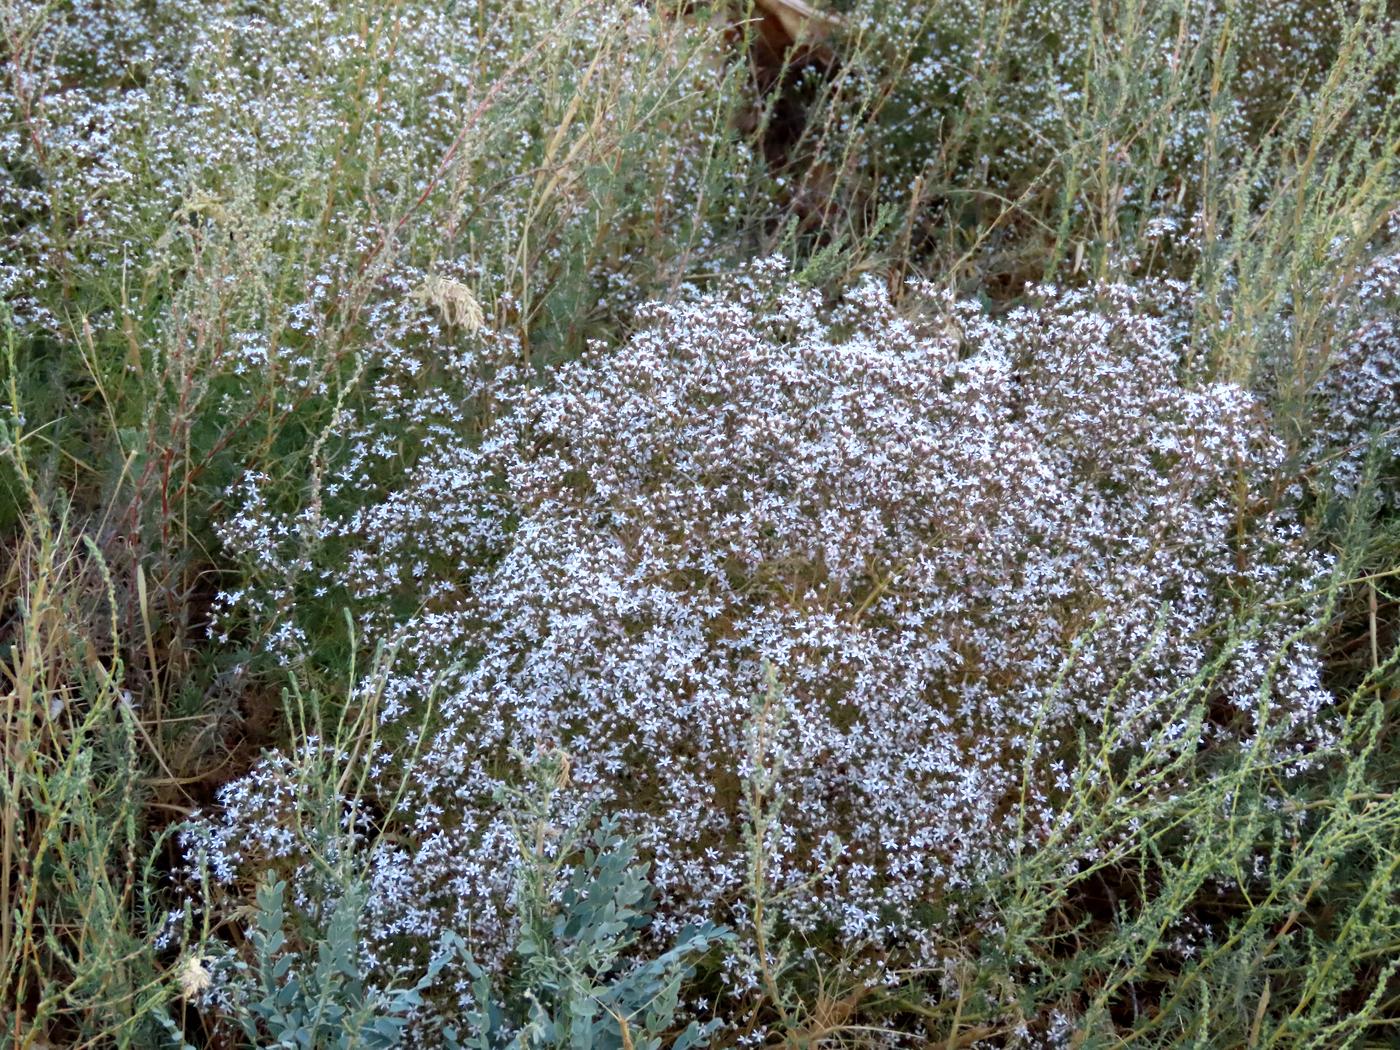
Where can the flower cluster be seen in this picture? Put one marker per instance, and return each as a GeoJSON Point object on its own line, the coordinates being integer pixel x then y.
{"type": "Point", "coordinates": [958, 540]}
{"type": "Point", "coordinates": [1358, 392]}
{"type": "Point", "coordinates": [310, 142]}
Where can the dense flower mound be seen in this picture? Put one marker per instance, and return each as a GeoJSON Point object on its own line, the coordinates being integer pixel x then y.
{"type": "Point", "coordinates": [957, 540]}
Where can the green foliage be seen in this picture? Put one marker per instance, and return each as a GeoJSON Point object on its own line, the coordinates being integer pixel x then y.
{"type": "Point", "coordinates": [578, 981]}
{"type": "Point", "coordinates": [79, 855]}
{"type": "Point", "coordinates": [577, 978]}
{"type": "Point", "coordinates": [581, 972]}
{"type": "Point", "coordinates": [325, 1004]}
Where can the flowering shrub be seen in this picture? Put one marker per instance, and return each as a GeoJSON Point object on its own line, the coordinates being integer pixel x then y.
{"type": "Point", "coordinates": [1029, 70]}
{"type": "Point", "coordinates": [958, 540]}
{"type": "Point", "coordinates": [311, 142]}
{"type": "Point", "coordinates": [1123, 139]}
{"type": "Point", "coordinates": [1358, 392]}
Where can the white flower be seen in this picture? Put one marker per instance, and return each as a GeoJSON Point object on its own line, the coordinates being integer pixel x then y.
{"type": "Point", "coordinates": [192, 977]}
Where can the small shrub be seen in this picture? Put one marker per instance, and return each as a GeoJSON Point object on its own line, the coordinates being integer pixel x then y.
{"type": "Point", "coordinates": [961, 541]}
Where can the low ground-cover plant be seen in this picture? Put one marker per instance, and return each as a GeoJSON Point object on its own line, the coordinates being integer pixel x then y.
{"type": "Point", "coordinates": [577, 972]}
{"type": "Point", "coordinates": [968, 545]}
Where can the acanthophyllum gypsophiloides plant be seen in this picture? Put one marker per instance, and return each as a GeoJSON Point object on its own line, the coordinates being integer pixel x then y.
{"type": "Point", "coordinates": [963, 542]}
